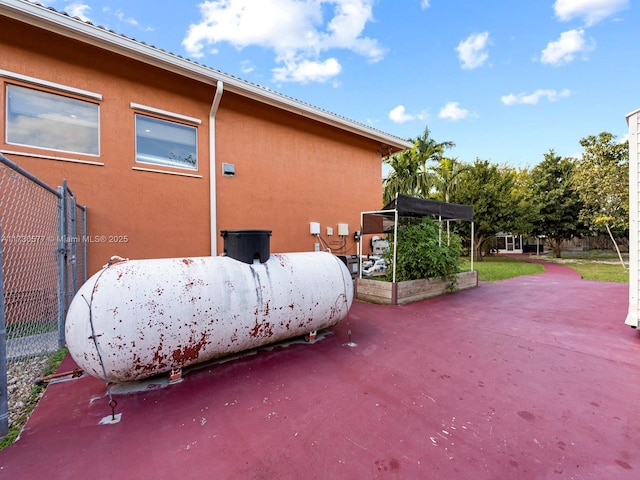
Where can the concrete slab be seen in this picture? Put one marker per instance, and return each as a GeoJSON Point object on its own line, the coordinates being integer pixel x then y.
{"type": "Point", "coordinates": [531, 378]}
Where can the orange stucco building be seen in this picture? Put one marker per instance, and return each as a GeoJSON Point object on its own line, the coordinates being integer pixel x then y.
{"type": "Point", "coordinates": [165, 153]}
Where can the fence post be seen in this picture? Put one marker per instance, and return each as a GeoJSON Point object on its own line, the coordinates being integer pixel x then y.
{"type": "Point", "coordinates": [74, 245]}
{"type": "Point", "coordinates": [4, 392]}
{"type": "Point", "coordinates": [62, 261]}
{"type": "Point", "coordinates": [84, 244]}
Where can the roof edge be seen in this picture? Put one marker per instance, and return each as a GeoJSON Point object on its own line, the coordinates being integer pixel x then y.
{"type": "Point", "coordinates": [630, 114]}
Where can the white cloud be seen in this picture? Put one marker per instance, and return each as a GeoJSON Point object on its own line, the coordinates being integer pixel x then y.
{"type": "Point", "coordinates": [246, 66]}
{"type": "Point", "coordinates": [452, 111]}
{"type": "Point", "coordinates": [472, 51]}
{"type": "Point", "coordinates": [123, 18]}
{"type": "Point", "coordinates": [425, 4]}
{"type": "Point", "coordinates": [591, 11]}
{"type": "Point", "coordinates": [565, 49]}
{"type": "Point", "coordinates": [131, 21]}
{"type": "Point", "coordinates": [535, 97]}
{"type": "Point", "coordinates": [298, 32]}
{"type": "Point", "coordinates": [400, 115]}
{"type": "Point", "coordinates": [79, 10]}
{"type": "Point", "coordinates": [304, 71]}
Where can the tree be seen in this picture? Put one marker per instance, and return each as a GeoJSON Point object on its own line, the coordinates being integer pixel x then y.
{"type": "Point", "coordinates": [445, 177]}
{"type": "Point", "coordinates": [558, 202]}
{"type": "Point", "coordinates": [406, 176]}
{"type": "Point", "coordinates": [602, 180]}
{"type": "Point", "coordinates": [499, 205]}
{"type": "Point", "coordinates": [410, 171]}
{"type": "Point", "coordinates": [426, 149]}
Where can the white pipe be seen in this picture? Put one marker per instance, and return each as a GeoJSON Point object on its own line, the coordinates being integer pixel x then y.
{"type": "Point", "coordinates": [473, 247]}
{"type": "Point", "coordinates": [395, 242]}
{"type": "Point", "coordinates": [213, 205]}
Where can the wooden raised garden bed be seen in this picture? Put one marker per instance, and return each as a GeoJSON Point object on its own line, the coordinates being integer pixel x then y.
{"type": "Point", "coordinates": [397, 293]}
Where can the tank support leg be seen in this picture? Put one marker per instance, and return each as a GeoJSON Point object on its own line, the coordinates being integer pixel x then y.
{"type": "Point", "coordinates": [311, 336]}
{"type": "Point", "coordinates": [175, 375]}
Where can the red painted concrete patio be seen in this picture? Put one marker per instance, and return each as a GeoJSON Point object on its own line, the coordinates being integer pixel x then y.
{"type": "Point", "coordinates": [535, 377]}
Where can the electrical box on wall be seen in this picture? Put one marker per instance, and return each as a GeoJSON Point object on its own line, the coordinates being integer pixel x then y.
{"type": "Point", "coordinates": [343, 229]}
{"type": "Point", "coordinates": [314, 228]}
{"type": "Point", "coordinates": [329, 231]}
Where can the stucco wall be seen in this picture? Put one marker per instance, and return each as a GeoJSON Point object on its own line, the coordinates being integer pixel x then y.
{"type": "Point", "coordinates": [290, 170]}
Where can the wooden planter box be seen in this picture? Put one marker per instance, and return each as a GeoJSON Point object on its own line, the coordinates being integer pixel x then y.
{"type": "Point", "coordinates": [397, 293]}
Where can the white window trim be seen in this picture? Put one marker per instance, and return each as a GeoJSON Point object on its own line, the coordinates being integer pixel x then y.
{"type": "Point", "coordinates": [167, 172]}
{"type": "Point", "coordinates": [55, 86]}
{"type": "Point", "coordinates": [51, 157]}
{"type": "Point", "coordinates": [165, 113]}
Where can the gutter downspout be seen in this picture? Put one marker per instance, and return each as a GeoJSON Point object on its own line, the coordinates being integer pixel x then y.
{"type": "Point", "coordinates": [213, 204]}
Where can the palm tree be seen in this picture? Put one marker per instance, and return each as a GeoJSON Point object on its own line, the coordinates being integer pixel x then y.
{"type": "Point", "coordinates": [445, 177]}
{"type": "Point", "coordinates": [426, 148]}
{"type": "Point", "coordinates": [407, 176]}
{"type": "Point", "coordinates": [410, 174]}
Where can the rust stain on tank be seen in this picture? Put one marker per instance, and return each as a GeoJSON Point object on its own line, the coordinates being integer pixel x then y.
{"type": "Point", "coordinates": [157, 356]}
{"type": "Point", "coordinates": [191, 351]}
{"type": "Point", "coordinates": [187, 261]}
{"type": "Point", "coordinates": [264, 330]}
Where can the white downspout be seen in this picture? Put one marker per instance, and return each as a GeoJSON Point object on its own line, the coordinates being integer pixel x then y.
{"type": "Point", "coordinates": [212, 167]}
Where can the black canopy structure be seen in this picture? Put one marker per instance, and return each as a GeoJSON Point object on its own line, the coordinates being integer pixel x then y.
{"type": "Point", "coordinates": [386, 220]}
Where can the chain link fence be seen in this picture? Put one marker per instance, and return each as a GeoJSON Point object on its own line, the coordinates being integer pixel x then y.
{"type": "Point", "coordinates": [42, 265]}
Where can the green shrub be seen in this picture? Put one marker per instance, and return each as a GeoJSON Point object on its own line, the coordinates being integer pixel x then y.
{"type": "Point", "coordinates": [421, 254]}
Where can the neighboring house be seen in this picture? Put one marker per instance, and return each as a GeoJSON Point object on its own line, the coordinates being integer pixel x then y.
{"type": "Point", "coordinates": [166, 152]}
{"type": "Point", "coordinates": [633, 318]}
{"type": "Point", "coordinates": [508, 243]}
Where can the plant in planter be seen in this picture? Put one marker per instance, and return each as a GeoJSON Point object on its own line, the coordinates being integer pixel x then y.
{"type": "Point", "coordinates": [420, 253]}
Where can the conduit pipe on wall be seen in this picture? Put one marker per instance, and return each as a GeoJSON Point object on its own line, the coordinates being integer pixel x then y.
{"type": "Point", "coordinates": [213, 209]}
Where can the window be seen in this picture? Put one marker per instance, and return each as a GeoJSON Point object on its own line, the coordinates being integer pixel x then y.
{"type": "Point", "coordinates": [161, 142]}
{"type": "Point", "coordinates": [55, 122]}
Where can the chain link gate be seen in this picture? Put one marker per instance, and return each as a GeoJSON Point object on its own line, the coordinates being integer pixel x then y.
{"type": "Point", "coordinates": [42, 265]}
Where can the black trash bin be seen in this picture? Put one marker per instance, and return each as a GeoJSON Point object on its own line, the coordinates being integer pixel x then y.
{"type": "Point", "coordinates": [247, 245]}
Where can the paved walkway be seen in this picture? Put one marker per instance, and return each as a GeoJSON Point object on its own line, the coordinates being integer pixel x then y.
{"type": "Point", "coordinates": [534, 377]}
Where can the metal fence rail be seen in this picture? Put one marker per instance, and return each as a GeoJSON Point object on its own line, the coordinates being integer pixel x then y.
{"type": "Point", "coordinates": [42, 264]}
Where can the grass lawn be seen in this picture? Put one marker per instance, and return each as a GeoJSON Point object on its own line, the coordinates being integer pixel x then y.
{"type": "Point", "coordinates": [496, 268]}
{"type": "Point", "coordinates": [600, 271]}
{"type": "Point", "coordinates": [592, 266]}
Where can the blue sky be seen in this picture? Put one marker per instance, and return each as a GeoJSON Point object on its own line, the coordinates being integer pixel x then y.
{"type": "Point", "coordinates": [506, 80]}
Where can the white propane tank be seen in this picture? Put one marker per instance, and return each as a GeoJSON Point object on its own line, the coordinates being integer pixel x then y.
{"type": "Point", "coordinates": [146, 317]}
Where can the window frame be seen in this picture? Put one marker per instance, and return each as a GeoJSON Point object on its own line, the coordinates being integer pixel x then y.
{"type": "Point", "coordinates": [169, 120]}
{"type": "Point", "coordinates": [54, 91]}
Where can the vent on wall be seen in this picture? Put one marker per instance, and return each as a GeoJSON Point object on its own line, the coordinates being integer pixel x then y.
{"type": "Point", "coordinates": [228, 169]}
